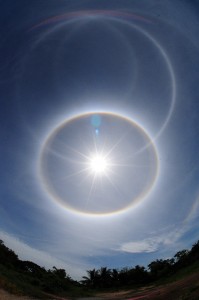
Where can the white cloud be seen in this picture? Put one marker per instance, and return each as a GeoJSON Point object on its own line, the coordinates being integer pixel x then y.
{"type": "Point", "coordinates": [147, 245]}
{"type": "Point", "coordinates": [152, 244]}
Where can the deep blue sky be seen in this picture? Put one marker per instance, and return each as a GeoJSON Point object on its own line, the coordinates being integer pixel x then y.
{"type": "Point", "coordinates": [136, 60]}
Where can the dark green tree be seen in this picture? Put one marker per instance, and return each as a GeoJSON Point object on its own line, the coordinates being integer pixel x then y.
{"type": "Point", "coordinates": [160, 268]}
{"type": "Point", "coordinates": [181, 257]}
{"type": "Point", "coordinates": [7, 256]}
{"type": "Point", "coordinates": [195, 250]}
{"type": "Point", "coordinates": [104, 277]}
{"type": "Point", "coordinates": [115, 278]}
{"type": "Point", "coordinates": [138, 275]}
{"type": "Point", "coordinates": [124, 276]}
{"type": "Point", "coordinates": [60, 273]}
{"type": "Point", "coordinates": [92, 279]}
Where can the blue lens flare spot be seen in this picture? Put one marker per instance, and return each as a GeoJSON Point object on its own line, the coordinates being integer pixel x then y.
{"type": "Point", "coordinates": [96, 120]}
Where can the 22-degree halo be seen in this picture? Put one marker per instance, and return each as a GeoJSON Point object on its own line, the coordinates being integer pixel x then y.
{"type": "Point", "coordinates": [132, 167]}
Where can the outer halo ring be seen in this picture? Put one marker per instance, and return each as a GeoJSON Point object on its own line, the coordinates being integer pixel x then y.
{"type": "Point", "coordinates": [74, 17]}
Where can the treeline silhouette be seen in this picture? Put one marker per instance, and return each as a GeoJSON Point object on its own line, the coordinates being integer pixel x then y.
{"type": "Point", "coordinates": [139, 275]}
{"type": "Point", "coordinates": [27, 274]}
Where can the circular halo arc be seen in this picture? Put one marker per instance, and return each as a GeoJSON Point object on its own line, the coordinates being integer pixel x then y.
{"type": "Point", "coordinates": [119, 17]}
{"type": "Point", "coordinates": [56, 199]}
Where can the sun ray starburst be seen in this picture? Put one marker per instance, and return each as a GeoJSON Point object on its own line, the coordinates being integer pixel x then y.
{"type": "Point", "coordinates": [98, 164]}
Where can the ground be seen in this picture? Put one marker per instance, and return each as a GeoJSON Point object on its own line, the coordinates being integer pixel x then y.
{"type": "Point", "coordinates": [184, 289]}
{"type": "Point", "coordinates": [7, 296]}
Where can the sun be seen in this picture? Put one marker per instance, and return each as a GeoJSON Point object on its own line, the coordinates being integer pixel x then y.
{"type": "Point", "coordinates": [98, 164]}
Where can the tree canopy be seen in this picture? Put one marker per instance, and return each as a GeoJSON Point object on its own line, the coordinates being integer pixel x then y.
{"type": "Point", "coordinates": [57, 280]}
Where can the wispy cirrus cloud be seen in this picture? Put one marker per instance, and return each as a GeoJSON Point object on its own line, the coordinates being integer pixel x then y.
{"type": "Point", "coordinates": [147, 245]}
{"type": "Point", "coordinates": [154, 243]}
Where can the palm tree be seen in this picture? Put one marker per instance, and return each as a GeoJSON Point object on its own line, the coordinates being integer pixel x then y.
{"type": "Point", "coordinates": [115, 277]}
{"type": "Point", "coordinates": [92, 278]}
{"type": "Point", "coordinates": [104, 277]}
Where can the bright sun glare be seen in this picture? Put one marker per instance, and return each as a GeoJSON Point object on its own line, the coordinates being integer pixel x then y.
{"type": "Point", "coordinates": [98, 164]}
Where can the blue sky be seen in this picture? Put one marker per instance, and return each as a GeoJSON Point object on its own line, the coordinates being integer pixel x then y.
{"type": "Point", "coordinates": [114, 78]}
